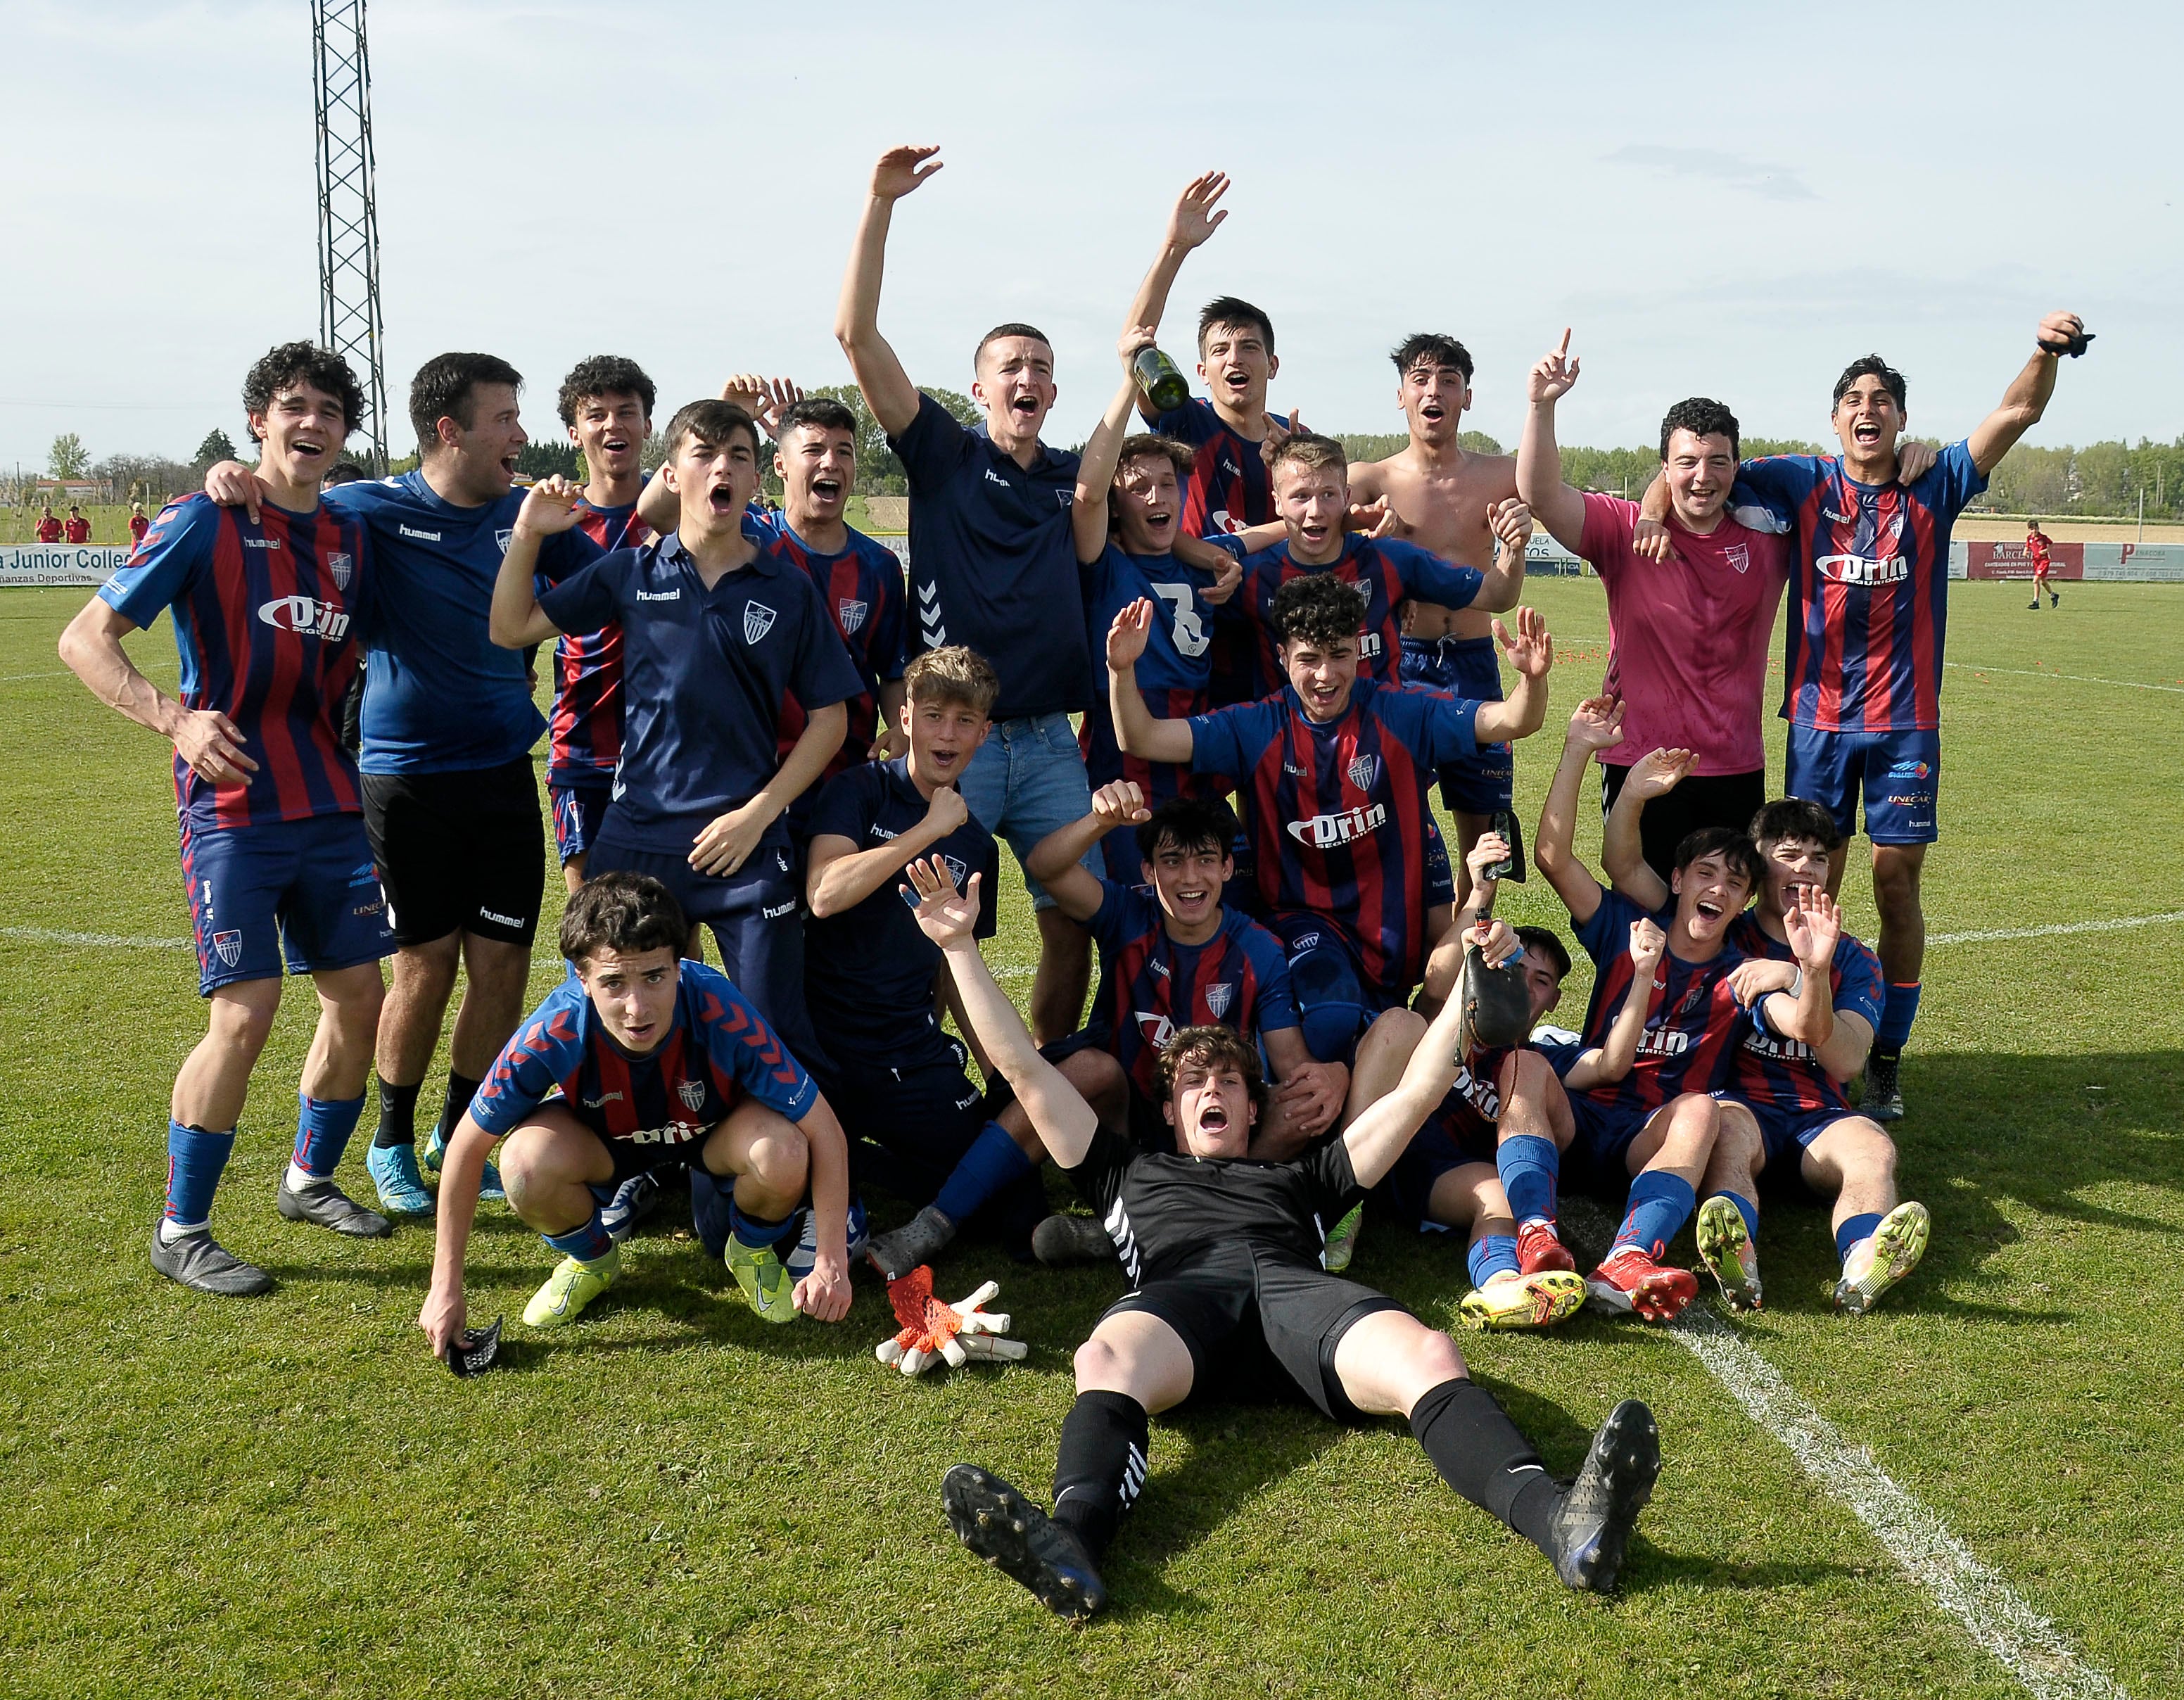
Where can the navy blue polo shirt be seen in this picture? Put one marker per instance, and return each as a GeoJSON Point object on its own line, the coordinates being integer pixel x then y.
{"type": "Point", "coordinates": [992, 561]}
{"type": "Point", "coordinates": [868, 971]}
{"type": "Point", "coordinates": [704, 672]}
{"type": "Point", "coordinates": [440, 695]}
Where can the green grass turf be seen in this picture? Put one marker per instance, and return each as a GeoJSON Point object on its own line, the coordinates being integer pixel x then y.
{"type": "Point", "coordinates": [288, 1496]}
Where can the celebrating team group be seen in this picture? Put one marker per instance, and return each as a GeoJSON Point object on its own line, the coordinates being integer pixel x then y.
{"type": "Point", "coordinates": [1204, 679]}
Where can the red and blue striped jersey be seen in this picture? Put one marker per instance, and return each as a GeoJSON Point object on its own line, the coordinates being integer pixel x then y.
{"type": "Point", "coordinates": [1229, 487]}
{"type": "Point", "coordinates": [718, 1051]}
{"type": "Point", "coordinates": [1871, 579]}
{"type": "Point", "coordinates": [1695, 1028]}
{"type": "Point", "coordinates": [1336, 813]}
{"type": "Point", "coordinates": [1388, 570]}
{"type": "Point", "coordinates": [264, 621]}
{"type": "Point", "coordinates": [1173, 674]}
{"type": "Point", "coordinates": [1783, 1073]}
{"type": "Point", "coordinates": [585, 727]}
{"type": "Point", "coordinates": [1151, 986]}
{"type": "Point", "coordinates": [863, 591]}
{"type": "Point", "coordinates": [1470, 1117]}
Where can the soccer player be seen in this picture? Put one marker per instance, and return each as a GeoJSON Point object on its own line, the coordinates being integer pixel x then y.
{"type": "Point", "coordinates": [1786, 1115]}
{"type": "Point", "coordinates": [77, 529]}
{"type": "Point", "coordinates": [874, 981]}
{"type": "Point", "coordinates": [2037, 544]}
{"type": "Point", "coordinates": [636, 1062]}
{"type": "Point", "coordinates": [605, 405]}
{"type": "Point", "coordinates": [449, 797]}
{"type": "Point", "coordinates": [1221, 1253]}
{"type": "Point", "coordinates": [274, 854]}
{"type": "Point", "coordinates": [1657, 1125]}
{"type": "Point", "coordinates": [1687, 637]}
{"type": "Point", "coordinates": [1334, 774]}
{"type": "Point", "coordinates": [138, 524]}
{"type": "Point", "coordinates": [49, 527]}
{"type": "Point", "coordinates": [1452, 502]}
{"type": "Point", "coordinates": [716, 630]}
{"type": "Point", "coordinates": [994, 568]}
{"type": "Point", "coordinates": [1868, 625]}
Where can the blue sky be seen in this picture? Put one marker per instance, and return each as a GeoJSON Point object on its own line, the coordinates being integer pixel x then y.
{"type": "Point", "coordinates": [1720, 201]}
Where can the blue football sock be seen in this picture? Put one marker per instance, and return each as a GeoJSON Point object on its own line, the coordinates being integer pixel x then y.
{"type": "Point", "coordinates": [754, 1231]}
{"type": "Point", "coordinates": [1896, 1015]}
{"type": "Point", "coordinates": [587, 1244]}
{"type": "Point", "coordinates": [1746, 1208]}
{"type": "Point", "coordinates": [1856, 1228]}
{"type": "Point", "coordinates": [323, 1126]}
{"type": "Point", "coordinates": [993, 1160]}
{"type": "Point", "coordinates": [1529, 1165]}
{"type": "Point", "coordinates": [1495, 1254]}
{"type": "Point", "coordinates": [1660, 1204]}
{"type": "Point", "coordinates": [194, 1161]}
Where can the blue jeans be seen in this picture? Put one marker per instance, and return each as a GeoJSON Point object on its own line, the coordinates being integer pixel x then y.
{"type": "Point", "coordinates": [1026, 781]}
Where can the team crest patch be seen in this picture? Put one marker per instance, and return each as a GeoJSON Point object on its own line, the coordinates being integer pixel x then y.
{"type": "Point", "coordinates": [1218, 997]}
{"type": "Point", "coordinates": [339, 564]}
{"type": "Point", "coordinates": [1739, 556]}
{"type": "Point", "coordinates": [958, 870]}
{"type": "Point", "coordinates": [1363, 771]}
{"type": "Point", "coordinates": [692, 1095]}
{"type": "Point", "coordinates": [758, 621]}
{"type": "Point", "coordinates": [503, 536]}
{"type": "Point", "coordinates": [228, 947]}
{"type": "Point", "coordinates": [852, 615]}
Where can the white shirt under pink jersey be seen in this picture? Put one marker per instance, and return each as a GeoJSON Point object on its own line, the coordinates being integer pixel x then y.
{"type": "Point", "coordinates": [1688, 640]}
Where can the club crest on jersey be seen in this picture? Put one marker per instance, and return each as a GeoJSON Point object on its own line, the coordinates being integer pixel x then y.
{"type": "Point", "coordinates": [758, 621]}
{"type": "Point", "coordinates": [1364, 770]}
{"type": "Point", "coordinates": [503, 536]}
{"type": "Point", "coordinates": [692, 1095]}
{"type": "Point", "coordinates": [958, 870]}
{"type": "Point", "coordinates": [1218, 998]}
{"type": "Point", "coordinates": [339, 564]}
{"type": "Point", "coordinates": [1739, 556]}
{"type": "Point", "coordinates": [228, 947]}
{"type": "Point", "coordinates": [852, 614]}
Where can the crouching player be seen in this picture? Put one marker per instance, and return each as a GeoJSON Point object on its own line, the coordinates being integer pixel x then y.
{"type": "Point", "coordinates": [658, 1062]}
{"type": "Point", "coordinates": [1223, 1253]}
{"type": "Point", "coordinates": [1787, 1118]}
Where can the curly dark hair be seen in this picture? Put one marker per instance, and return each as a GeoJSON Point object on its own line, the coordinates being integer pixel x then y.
{"type": "Point", "coordinates": [1318, 608]}
{"type": "Point", "coordinates": [604, 374]}
{"type": "Point", "coordinates": [1871, 366]}
{"type": "Point", "coordinates": [1216, 1047]}
{"type": "Point", "coordinates": [1701, 417]}
{"type": "Point", "coordinates": [624, 912]}
{"type": "Point", "coordinates": [291, 364]}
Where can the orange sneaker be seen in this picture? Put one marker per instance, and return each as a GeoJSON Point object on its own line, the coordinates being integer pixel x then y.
{"type": "Point", "coordinates": [1629, 1280]}
{"type": "Point", "coordinates": [1539, 1248]}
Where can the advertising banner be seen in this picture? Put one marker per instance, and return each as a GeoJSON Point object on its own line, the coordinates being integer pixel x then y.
{"type": "Point", "coordinates": [60, 563]}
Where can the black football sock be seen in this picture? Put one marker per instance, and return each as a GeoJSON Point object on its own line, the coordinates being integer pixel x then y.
{"type": "Point", "coordinates": [461, 1089]}
{"type": "Point", "coordinates": [1100, 1468]}
{"type": "Point", "coordinates": [1486, 1458]}
{"type": "Point", "coordinates": [397, 1113]}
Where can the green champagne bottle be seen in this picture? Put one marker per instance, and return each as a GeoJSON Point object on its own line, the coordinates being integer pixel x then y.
{"type": "Point", "coordinates": [1159, 380]}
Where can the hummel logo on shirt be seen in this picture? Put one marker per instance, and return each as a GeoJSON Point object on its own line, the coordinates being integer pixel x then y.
{"type": "Point", "coordinates": [401, 530]}
{"type": "Point", "coordinates": [659, 596]}
{"type": "Point", "coordinates": [261, 543]}
{"type": "Point", "coordinates": [994, 478]}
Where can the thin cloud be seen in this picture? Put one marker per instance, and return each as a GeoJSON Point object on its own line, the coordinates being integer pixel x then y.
{"type": "Point", "coordinates": [1752, 176]}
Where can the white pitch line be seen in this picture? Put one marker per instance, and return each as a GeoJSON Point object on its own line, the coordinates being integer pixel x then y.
{"type": "Point", "coordinates": [2123, 925]}
{"type": "Point", "coordinates": [111, 941]}
{"type": "Point", "coordinates": [2075, 678]}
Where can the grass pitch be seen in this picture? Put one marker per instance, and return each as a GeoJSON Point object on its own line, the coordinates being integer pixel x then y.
{"type": "Point", "coordinates": [287, 1495]}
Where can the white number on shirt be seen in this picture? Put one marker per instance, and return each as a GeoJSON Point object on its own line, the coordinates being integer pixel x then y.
{"type": "Point", "coordinates": [1190, 638]}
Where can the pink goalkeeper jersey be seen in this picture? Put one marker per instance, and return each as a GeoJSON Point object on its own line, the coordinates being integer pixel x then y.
{"type": "Point", "coordinates": [1688, 641]}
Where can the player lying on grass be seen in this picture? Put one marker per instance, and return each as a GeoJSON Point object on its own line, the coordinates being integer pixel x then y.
{"type": "Point", "coordinates": [1498, 1135]}
{"type": "Point", "coordinates": [1786, 1116]}
{"type": "Point", "coordinates": [1223, 1252]}
{"type": "Point", "coordinates": [1658, 1125]}
{"type": "Point", "coordinates": [658, 1062]}
{"type": "Point", "coordinates": [265, 606]}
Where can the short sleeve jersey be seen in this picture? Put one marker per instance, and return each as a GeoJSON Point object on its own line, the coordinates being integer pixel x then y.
{"type": "Point", "coordinates": [718, 1051]}
{"type": "Point", "coordinates": [2037, 545]}
{"type": "Point", "coordinates": [77, 530]}
{"type": "Point", "coordinates": [1229, 487]}
{"type": "Point", "coordinates": [1150, 986]}
{"type": "Point", "coordinates": [440, 695]}
{"type": "Point", "coordinates": [993, 564]}
{"type": "Point", "coordinates": [1470, 1115]}
{"type": "Point", "coordinates": [1173, 674]}
{"type": "Point", "coordinates": [1870, 585]}
{"type": "Point", "coordinates": [706, 672]}
{"type": "Point", "coordinates": [584, 726]}
{"type": "Point", "coordinates": [1164, 1210]}
{"type": "Point", "coordinates": [49, 529]}
{"type": "Point", "coordinates": [1783, 1073]}
{"type": "Point", "coordinates": [138, 524]}
{"type": "Point", "coordinates": [1336, 813]}
{"type": "Point", "coordinates": [265, 616]}
{"type": "Point", "coordinates": [868, 971]}
{"type": "Point", "coordinates": [862, 590]}
{"type": "Point", "coordinates": [1695, 1028]}
{"type": "Point", "coordinates": [1388, 570]}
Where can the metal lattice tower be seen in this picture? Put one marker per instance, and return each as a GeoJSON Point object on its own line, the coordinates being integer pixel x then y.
{"type": "Point", "coordinates": [350, 321]}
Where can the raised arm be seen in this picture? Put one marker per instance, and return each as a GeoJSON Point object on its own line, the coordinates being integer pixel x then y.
{"type": "Point", "coordinates": [516, 619]}
{"type": "Point", "coordinates": [1135, 728]}
{"type": "Point", "coordinates": [1062, 1119]}
{"type": "Point", "coordinates": [2026, 398]}
{"type": "Point", "coordinates": [1622, 844]}
{"type": "Point", "coordinates": [1501, 585]}
{"type": "Point", "coordinates": [1102, 453]}
{"type": "Point", "coordinates": [1540, 484]}
{"type": "Point", "coordinates": [1189, 223]}
{"type": "Point", "coordinates": [1531, 652]}
{"type": "Point", "coordinates": [1605, 1064]}
{"type": "Point", "coordinates": [842, 876]}
{"type": "Point", "coordinates": [1056, 863]}
{"type": "Point", "coordinates": [1596, 725]}
{"type": "Point", "coordinates": [1814, 926]}
{"type": "Point", "coordinates": [888, 392]}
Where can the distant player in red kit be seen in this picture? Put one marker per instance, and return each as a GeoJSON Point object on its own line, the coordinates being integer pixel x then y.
{"type": "Point", "coordinates": [2037, 543]}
